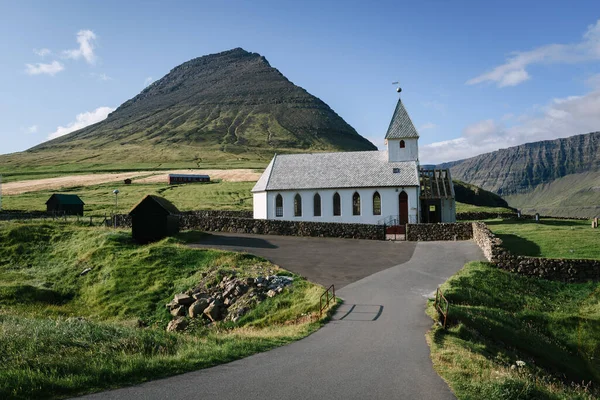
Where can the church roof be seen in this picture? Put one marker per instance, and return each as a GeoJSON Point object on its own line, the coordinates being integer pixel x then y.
{"type": "Point", "coordinates": [336, 170]}
{"type": "Point", "coordinates": [401, 126]}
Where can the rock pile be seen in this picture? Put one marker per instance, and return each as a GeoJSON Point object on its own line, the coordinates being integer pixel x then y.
{"type": "Point", "coordinates": [229, 300]}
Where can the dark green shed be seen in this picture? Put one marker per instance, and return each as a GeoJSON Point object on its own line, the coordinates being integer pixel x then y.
{"type": "Point", "coordinates": [69, 204]}
{"type": "Point", "coordinates": [153, 218]}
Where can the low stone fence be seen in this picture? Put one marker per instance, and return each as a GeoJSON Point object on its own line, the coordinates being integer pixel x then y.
{"type": "Point", "coordinates": [479, 215]}
{"type": "Point", "coordinates": [222, 222]}
{"type": "Point", "coordinates": [565, 270]}
{"type": "Point", "coordinates": [429, 232]}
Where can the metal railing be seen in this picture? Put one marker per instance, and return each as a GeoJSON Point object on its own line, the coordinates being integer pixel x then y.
{"type": "Point", "coordinates": [392, 220]}
{"type": "Point", "coordinates": [328, 299]}
{"type": "Point", "coordinates": [441, 309]}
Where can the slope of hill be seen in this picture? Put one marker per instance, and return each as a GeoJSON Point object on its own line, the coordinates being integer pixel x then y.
{"type": "Point", "coordinates": [554, 177]}
{"type": "Point", "coordinates": [221, 107]}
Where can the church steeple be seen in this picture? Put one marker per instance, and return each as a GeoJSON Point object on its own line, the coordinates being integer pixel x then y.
{"type": "Point", "coordinates": [402, 137]}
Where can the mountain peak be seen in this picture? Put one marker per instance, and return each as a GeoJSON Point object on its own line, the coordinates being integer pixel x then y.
{"type": "Point", "coordinates": [230, 102]}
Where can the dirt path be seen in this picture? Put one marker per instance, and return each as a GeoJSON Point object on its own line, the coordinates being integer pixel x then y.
{"type": "Point", "coordinates": [18, 187]}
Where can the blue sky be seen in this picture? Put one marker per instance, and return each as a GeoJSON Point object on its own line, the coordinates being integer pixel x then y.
{"type": "Point", "coordinates": [476, 77]}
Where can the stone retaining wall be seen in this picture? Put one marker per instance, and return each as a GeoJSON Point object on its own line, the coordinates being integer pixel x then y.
{"type": "Point", "coordinates": [565, 270]}
{"type": "Point", "coordinates": [429, 232]}
{"type": "Point", "coordinates": [221, 222]}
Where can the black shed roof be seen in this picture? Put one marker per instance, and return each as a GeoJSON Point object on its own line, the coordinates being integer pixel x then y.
{"type": "Point", "coordinates": [66, 199]}
{"type": "Point", "coordinates": [163, 203]}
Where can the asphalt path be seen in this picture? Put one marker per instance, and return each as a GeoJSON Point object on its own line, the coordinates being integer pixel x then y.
{"type": "Point", "coordinates": [322, 260]}
{"type": "Point", "coordinates": [374, 348]}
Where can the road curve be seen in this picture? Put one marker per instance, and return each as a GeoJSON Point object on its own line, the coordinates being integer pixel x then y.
{"type": "Point", "coordinates": [374, 348]}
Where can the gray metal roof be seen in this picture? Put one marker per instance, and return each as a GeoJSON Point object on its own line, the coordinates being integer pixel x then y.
{"type": "Point", "coordinates": [336, 170]}
{"type": "Point", "coordinates": [401, 126]}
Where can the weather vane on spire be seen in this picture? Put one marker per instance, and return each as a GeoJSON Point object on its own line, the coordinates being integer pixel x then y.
{"type": "Point", "coordinates": [398, 89]}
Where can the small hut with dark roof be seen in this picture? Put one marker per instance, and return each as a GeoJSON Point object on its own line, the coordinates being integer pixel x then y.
{"type": "Point", "coordinates": [69, 204]}
{"type": "Point", "coordinates": [153, 218]}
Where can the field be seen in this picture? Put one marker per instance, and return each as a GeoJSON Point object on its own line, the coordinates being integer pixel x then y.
{"type": "Point", "coordinates": [551, 238]}
{"type": "Point", "coordinates": [100, 200]}
{"type": "Point", "coordinates": [513, 337]}
{"type": "Point", "coordinates": [64, 334]}
{"type": "Point", "coordinates": [462, 208]}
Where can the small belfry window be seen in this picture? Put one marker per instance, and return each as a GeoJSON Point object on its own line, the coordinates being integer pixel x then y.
{"type": "Point", "coordinates": [356, 204]}
{"type": "Point", "coordinates": [297, 205]}
{"type": "Point", "coordinates": [317, 205]}
{"type": "Point", "coordinates": [376, 204]}
{"type": "Point", "coordinates": [279, 206]}
{"type": "Point", "coordinates": [337, 204]}
{"type": "Point", "coordinates": [402, 144]}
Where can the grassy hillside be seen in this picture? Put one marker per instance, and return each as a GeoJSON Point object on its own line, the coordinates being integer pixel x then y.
{"type": "Point", "coordinates": [62, 334]}
{"type": "Point", "coordinates": [575, 195]}
{"type": "Point", "coordinates": [550, 238]}
{"type": "Point", "coordinates": [100, 200]}
{"type": "Point", "coordinates": [470, 194]}
{"type": "Point", "coordinates": [513, 337]}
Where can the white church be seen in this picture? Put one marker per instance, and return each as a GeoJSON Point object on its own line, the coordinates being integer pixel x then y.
{"type": "Point", "coordinates": [368, 187]}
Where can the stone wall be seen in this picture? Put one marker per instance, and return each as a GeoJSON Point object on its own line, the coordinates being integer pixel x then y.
{"type": "Point", "coordinates": [221, 222]}
{"type": "Point", "coordinates": [479, 215]}
{"type": "Point", "coordinates": [565, 270]}
{"type": "Point", "coordinates": [429, 232]}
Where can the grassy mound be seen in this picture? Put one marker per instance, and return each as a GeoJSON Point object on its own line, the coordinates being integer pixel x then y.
{"type": "Point", "coordinates": [498, 318]}
{"type": "Point", "coordinates": [62, 333]}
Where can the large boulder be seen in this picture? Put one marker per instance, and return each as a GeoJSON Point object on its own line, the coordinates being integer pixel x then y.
{"type": "Point", "coordinates": [178, 311]}
{"type": "Point", "coordinates": [197, 308]}
{"type": "Point", "coordinates": [215, 311]}
{"type": "Point", "coordinates": [183, 299]}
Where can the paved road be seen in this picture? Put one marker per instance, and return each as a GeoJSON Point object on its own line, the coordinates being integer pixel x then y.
{"type": "Point", "coordinates": [323, 260]}
{"type": "Point", "coordinates": [373, 349]}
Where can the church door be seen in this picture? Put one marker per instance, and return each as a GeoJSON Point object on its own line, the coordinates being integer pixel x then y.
{"type": "Point", "coordinates": [403, 211]}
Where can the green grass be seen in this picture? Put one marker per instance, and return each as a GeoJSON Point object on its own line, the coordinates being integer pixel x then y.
{"type": "Point", "coordinates": [462, 207]}
{"type": "Point", "coordinates": [552, 238]}
{"type": "Point", "coordinates": [62, 334]}
{"type": "Point", "coordinates": [99, 199]}
{"type": "Point", "coordinates": [498, 318]}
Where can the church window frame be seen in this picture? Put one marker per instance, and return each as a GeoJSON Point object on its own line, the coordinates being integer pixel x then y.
{"type": "Point", "coordinates": [297, 205]}
{"type": "Point", "coordinates": [376, 203]}
{"type": "Point", "coordinates": [337, 205]}
{"type": "Point", "coordinates": [317, 205]}
{"type": "Point", "coordinates": [356, 204]}
{"type": "Point", "coordinates": [279, 205]}
{"type": "Point", "coordinates": [402, 144]}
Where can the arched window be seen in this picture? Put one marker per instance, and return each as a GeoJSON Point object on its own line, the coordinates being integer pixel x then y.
{"type": "Point", "coordinates": [402, 144]}
{"type": "Point", "coordinates": [337, 204]}
{"type": "Point", "coordinates": [356, 204]}
{"type": "Point", "coordinates": [317, 205]}
{"type": "Point", "coordinates": [376, 204]}
{"type": "Point", "coordinates": [297, 205]}
{"type": "Point", "coordinates": [279, 206]}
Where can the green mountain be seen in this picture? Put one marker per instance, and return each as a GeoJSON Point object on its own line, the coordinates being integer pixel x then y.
{"type": "Point", "coordinates": [226, 107]}
{"type": "Point", "coordinates": [553, 177]}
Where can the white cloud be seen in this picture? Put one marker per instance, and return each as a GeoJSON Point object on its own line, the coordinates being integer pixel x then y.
{"type": "Point", "coordinates": [148, 81]}
{"type": "Point", "coordinates": [32, 129]}
{"type": "Point", "coordinates": [81, 121]}
{"type": "Point", "coordinates": [42, 52]}
{"type": "Point", "coordinates": [44, 69]}
{"type": "Point", "coordinates": [513, 72]}
{"type": "Point", "coordinates": [562, 117]}
{"type": "Point", "coordinates": [86, 39]}
{"type": "Point", "coordinates": [427, 125]}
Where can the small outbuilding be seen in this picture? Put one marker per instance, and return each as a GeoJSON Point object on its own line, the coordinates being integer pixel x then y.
{"type": "Point", "coordinates": [127, 181]}
{"type": "Point", "coordinates": [153, 218]}
{"type": "Point", "coordinates": [69, 204]}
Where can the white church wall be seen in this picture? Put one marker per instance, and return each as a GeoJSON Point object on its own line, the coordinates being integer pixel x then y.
{"type": "Point", "coordinates": [260, 205]}
{"type": "Point", "coordinates": [409, 153]}
{"type": "Point", "coordinates": [389, 205]}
